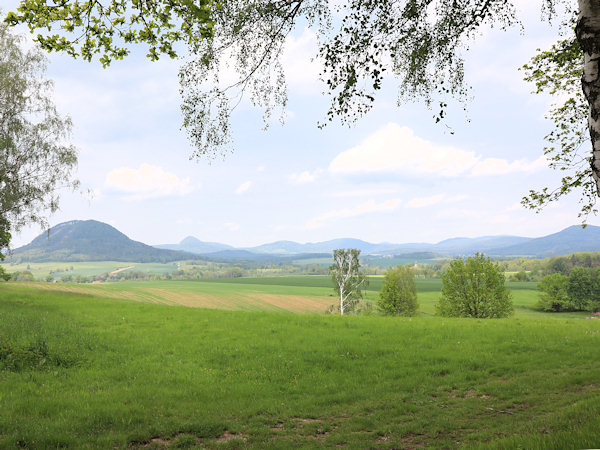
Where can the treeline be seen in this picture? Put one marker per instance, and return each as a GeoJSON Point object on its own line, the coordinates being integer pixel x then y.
{"type": "Point", "coordinates": [190, 270]}
{"type": "Point", "coordinates": [537, 269]}
{"type": "Point", "coordinates": [579, 291]}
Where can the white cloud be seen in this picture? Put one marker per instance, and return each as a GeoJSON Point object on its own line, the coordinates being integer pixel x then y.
{"type": "Point", "coordinates": [304, 177]}
{"type": "Point", "coordinates": [496, 166]}
{"type": "Point", "coordinates": [243, 187]}
{"type": "Point", "coordinates": [301, 69]}
{"type": "Point", "coordinates": [231, 226]}
{"type": "Point", "coordinates": [147, 181]}
{"type": "Point", "coordinates": [395, 149]}
{"type": "Point", "coordinates": [421, 202]}
{"type": "Point", "coordinates": [461, 214]}
{"type": "Point", "coordinates": [364, 208]}
{"type": "Point", "coordinates": [365, 192]}
{"type": "Point", "coordinates": [516, 207]}
{"type": "Point", "coordinates": [183, 221]}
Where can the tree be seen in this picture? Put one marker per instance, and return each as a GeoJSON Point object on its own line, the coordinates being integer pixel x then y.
{"type": "Point", "coordinates": [348, 278]}
{"type": "Point", "coordinates": [579, 288]}
{"type": "Point", "coordinates": [35, 158]}
{"type": "Point", "coordinates": [360, 42]}
{"type": "Point", "coordinates": [553, 293]}
{"type": "Point", "coordinates": [398, 295]}
{"type": "Point", "coordinates": [474, 288]}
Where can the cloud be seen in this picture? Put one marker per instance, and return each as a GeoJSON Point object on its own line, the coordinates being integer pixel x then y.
{"type": "Point", "coordinates": [147, 181]}
{"type": "Point", "coordinates": [304, 177]}
{"type": "Point", "coordinates": [496, 166]}
{"type": "Point", "coordinates": [243, 187]}
{"type": "Point", "coordinates": [421, 202]}
{"type": "Point", "coordinates": [460, 214]}
{"type": "Point", "coordinates": [364, 208]}
{"type": "Point", "coordinates": [301, 68]}
{"type": "Point", "coordinates": [365, 192]}
{"type": "Point", "coordinates": [231, 226]}
{"type": "Point", "coordinates": [395, 149]}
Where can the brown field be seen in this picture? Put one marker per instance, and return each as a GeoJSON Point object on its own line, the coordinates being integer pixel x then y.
{"type": "Point", "coordinates": [205, 295]}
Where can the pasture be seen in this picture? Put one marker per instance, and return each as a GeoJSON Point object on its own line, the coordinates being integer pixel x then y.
{"type": "Point", "coordinates": [85, 371]}
{"type": "Point", "coordinates": [298, 294]}
{"type": "Point", "coordinates": [91, 268]}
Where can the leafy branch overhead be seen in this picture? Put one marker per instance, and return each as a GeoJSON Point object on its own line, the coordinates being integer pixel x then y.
{"type": "Point", "coordinates": [420, 43]}
{"type": "Point", "coordinates": [107, 28]}
{"type": "Point", "coordinates": [558, 72]}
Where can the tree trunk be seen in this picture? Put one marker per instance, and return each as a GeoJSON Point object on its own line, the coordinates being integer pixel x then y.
{"type": "Point", "coordinates": [341, 303]}
{"type": "Point", "coordinates": [588, 36]}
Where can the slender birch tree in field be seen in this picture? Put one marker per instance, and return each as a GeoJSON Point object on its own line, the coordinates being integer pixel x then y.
{"type": "Point", "coordinates": [348, 278]}
{"type": "Point", "coordinates": [421, 43]}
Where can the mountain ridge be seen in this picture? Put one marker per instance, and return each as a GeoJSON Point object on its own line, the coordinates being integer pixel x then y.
{"type": "Point", "coordinates": [91, 240]}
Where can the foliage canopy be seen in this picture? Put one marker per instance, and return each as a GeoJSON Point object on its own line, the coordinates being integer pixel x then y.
{"type": "Point", "coordinates": [474, 288]}
{"type": "Point", "coordinates": [36, 159]}
{"type": "Point", "coordinates": [398, 295]}
{"type": "Point", "coordinates": [419, 42]}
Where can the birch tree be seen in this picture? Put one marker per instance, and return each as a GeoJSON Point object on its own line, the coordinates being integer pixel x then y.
{"type": "Point", "coordinates": [421, 43]}
{"type": "Point", "coordinates": [36, 158]}
{"type": "Point", "coordinates": [348, 278]}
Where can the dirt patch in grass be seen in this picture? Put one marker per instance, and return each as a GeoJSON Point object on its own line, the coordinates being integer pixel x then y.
{"type": "Point", "coordinates": [293, 303]}
{"type": "Point", "coordinates": [227, 436]}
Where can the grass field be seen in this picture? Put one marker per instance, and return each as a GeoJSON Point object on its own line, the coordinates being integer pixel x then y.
{"type": "Point", "coordinates": [299, 294]}
{"type": "Point", "coordinates": [80, 371]}
{"type": "Point", "coordinates": [92, 268]}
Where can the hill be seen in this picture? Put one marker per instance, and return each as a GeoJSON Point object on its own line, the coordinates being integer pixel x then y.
{"type": "Point", "coordinates": [194, 245]}
{"type": "Point", "coordinates": [570, 240]}
{"type": "Point", "coordinates": [90, 240]}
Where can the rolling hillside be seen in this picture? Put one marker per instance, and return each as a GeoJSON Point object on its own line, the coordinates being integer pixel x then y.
{"type": "Point", "coordinates": [195, 245]}
{"type": "Point", "coordinates": [570, 240]}
{"type": "Point", "coordinates": [90, 240]}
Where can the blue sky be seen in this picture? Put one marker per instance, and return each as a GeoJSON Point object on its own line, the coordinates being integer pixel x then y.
{"type": "Point", "coordinates": [394, 176]}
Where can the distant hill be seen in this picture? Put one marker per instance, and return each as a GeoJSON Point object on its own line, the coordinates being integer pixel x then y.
{"type": "Point", "coordinates": [570, 240]}
{"type": "Point", "coordinates": [90, 240]}
{"type": "Point", "coordinates": [290, 247]}
{"type": "Point", "coordinates": [194, 245]}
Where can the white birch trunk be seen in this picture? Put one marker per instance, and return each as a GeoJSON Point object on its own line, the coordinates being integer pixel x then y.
{"type": "Point", "coordinates": [588, 36]}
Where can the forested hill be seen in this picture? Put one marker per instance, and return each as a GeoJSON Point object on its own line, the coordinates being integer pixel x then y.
{"type": "Point", "coordinates": [90, 240]}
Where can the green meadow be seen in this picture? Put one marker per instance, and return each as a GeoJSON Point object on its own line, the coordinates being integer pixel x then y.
{"type": "Point", "coordinates": [298, 294]}
{"type": "Point", "coordinates": [91, 268]}
{"type": "Point", "coordinates": [91, 370]}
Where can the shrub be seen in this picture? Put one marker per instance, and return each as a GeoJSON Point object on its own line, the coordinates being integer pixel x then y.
{"type": "Point", "coordinates": [579, 288]}
{"type": "Point", "coordinates": [553, 293]}
{"type": "Point", "coordinates": [474, 288]}
{"type": "Point", "coordinates": [398, 295]}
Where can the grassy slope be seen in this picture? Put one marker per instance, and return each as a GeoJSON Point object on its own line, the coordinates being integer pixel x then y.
{"type": "Point", "coordinates": [120, 374]}
{"type": "Point", "coordinates": [289, 293]}
{"type": "Point", "coordinates": [41, 269]}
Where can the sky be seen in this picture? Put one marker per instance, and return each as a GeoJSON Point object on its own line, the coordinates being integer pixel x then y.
{"type": "Point", "coordinates": [394, 176]}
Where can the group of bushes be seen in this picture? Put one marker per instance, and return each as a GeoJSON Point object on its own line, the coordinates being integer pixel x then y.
{"type": "Point", "coordinates": [579, 291]}
{"type": "Point", "coordinates": [470, 288]}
